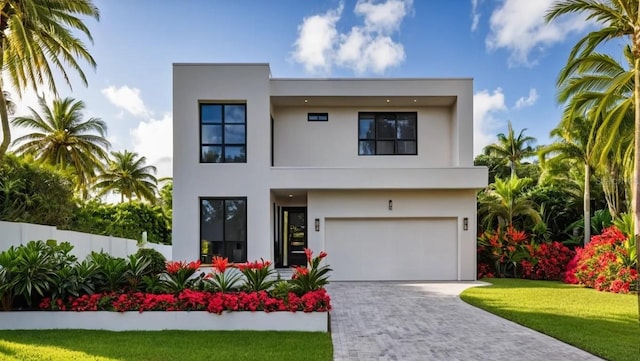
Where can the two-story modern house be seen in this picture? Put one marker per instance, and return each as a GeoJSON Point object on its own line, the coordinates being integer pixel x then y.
{"type": "Point", "coordinates": [377, 172]}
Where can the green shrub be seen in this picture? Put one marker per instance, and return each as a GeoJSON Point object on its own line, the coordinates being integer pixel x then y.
{"type": "Point", "coordinates": [126, 220]}
{"type": "Point", "coordinates": [157, 261]}
{"type": "Point", "coordinates": [34, 193]}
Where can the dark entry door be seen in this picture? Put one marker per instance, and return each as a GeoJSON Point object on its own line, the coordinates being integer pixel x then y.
{"type": "Point", "coordinates": [294, 232]}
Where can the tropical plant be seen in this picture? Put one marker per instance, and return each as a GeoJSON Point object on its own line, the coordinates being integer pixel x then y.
{"type": "Point", "coordinates": [512, 148]}
{"type": "Point", "coordinates": [128, 175]}
{"type": "Point", "coordinates": [575, 138]}
{"type": "Point", "coordinates": [179, 276]}
{"type": "Point", "coordinates": [505, 200]}
{"type": "Point", "coordinates": [62, 138]}
{"type": "Point", "coordinates": [37, 37]}
{"type": "Point", "coordinates": [32, 270]}
{"type": "Point", "coordinates": [224, 277]}
{"type": "Point", "coordinates": [258, 275]}
{"type": "Point", "coordinates": [111, 272]}
{"type": "Point", "coordinates": [617, 19]}
{"type": "Point", "coordinates": [313, 277]}
{"type": "Point", "coordinates": [137, 268]}
{"type": "Point", "coordinates": [157, 261]}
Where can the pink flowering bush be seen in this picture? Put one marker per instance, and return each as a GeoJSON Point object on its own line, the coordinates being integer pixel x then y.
{"type": "Point", "coordinates": [604, 264]}
{"type": "Point", "coordinates": [512, 253]}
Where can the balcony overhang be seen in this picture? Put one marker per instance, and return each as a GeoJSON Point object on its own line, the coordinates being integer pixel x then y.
{"type": "Point", "coordinates": [378, 178]}
{"type": "Point", "coordinates": [362, 101]}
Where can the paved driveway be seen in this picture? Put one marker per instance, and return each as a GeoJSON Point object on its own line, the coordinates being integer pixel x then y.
{"type": "Point", "coordinates": [428, 321]}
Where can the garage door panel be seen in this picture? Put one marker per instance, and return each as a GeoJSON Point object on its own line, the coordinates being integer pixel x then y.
{"type": "Point", "coordinates": [392, 249]}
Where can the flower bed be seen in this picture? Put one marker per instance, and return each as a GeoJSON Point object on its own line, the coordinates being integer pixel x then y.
{"type": "Point", "coordinates": [189, 300]}
{"type": "Point", "coordinates": [42, 276]}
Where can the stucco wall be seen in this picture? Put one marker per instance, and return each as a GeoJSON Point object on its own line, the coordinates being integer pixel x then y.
{"type": "Point", "coordinates": [300, 143]}
{"type": "Point", "coordinates": [191, 179]}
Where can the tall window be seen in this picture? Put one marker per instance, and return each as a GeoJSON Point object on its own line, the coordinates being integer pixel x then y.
{"type": "Point", "coordinates": [223, 229]}
{"type": "Point", "coordinates": [223, 133]}
{"type": "Point", "coordinates": [387, 134]}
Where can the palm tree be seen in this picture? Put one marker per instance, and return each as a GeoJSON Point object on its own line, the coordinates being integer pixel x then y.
{"type": "Point", "coordinates": [63, 139]}
{"type": "Point", "coordinates": [618, 19]}
{"type": "Point", "coordinates": [505, 200]}
{"type": "Point", "coordinates": [128, 175]}
{"type": "Point", "coordinates": [511, 148]}
{"type": "Point", "coordinates": [575, 141]}
{"type": "Point", "coordinates": [36, 37]}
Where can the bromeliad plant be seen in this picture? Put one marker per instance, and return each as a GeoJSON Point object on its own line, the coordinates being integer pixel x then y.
{"type": "Point", "coordinates": [224, 278]}
{"type": "Point", "coordinates": [179, 276]}
{"type": "Point", "coordinates": [313, 277]}
{"type": "Point", "coordinates": [258, 275]}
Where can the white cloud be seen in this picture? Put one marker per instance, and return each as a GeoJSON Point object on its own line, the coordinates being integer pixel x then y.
{"type": "Point", "coordinates": [316, 39]}
{"type": "Point", "coordinates": [383, 17]}
{"type": "Point", "coordinates": [485, 106]}
{"type": "Point", "coordinates": [520, 28]}
{"type": "Point", "coordinates": [153, 138]}
{"type": "Point", "coordinates": [528, 101]}
{"type": "Point", "coordinates": [475, 14]}
{"type": "Point", "coordinates": [364, 48]}
{"type": "Point", "coordinates": [127, 99]}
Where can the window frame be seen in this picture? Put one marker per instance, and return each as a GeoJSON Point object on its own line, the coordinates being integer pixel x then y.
{"type": "Point", "coordinates": [375, 139]}
{"type": "Point", "coordinates": [223, 144]}
{"type": "Point", "coordinates": [224, 241]}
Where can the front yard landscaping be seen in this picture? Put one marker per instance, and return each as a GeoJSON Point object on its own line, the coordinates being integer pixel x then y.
{"type": "Point", "coordinates": [602, 323]}
{"type": "Point", "coordinates": [63, 345]}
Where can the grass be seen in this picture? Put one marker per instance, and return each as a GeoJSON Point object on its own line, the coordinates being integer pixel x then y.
{"type": "Point", "coordinates": [604, 324]}
{"type": "Point", "coordinates": [163, 345]}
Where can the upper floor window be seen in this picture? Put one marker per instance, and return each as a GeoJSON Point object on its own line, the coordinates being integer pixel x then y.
{"type": "Point", "coordinates": [223, 133]}
{"type": "Point", "coordinates": [318, 117]}
{"type": "Point", "coordinates": [387, 133]}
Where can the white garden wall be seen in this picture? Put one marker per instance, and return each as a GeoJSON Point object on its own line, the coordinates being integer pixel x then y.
{"type": "Point", "coordinates": [14, 234]}
{"type": "Point", "coordinates": [159, 320]}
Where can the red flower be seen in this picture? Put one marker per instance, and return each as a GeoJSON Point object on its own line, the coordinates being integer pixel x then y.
{"type": "Point", "coordinates": [309, 254]}
{"type": "Point", "coordinates": [174, 267]}
{"type": "Point", "coordinates": [322, 255]}
{"type": "Point", "coordinates": [300, 271]}
{"type": "Point", "coordinates": [220, 264]}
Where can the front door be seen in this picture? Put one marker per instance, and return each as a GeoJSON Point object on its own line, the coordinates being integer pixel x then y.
{"type": "Point", "coordinates": [294, 235]}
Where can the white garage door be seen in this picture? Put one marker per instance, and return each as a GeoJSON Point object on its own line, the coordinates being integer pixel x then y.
{"type": "Point", "coordinates": [392, 249]}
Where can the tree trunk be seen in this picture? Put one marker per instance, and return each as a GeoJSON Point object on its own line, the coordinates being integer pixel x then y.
{"type": "Point", "coordinates": [4, 117]}
{"type": "Point", "coordinates": [636, 154]}
{"type": "Point", "coordinates": [513, 169]}
{"type": "Point", "coordinates": [587, 204]}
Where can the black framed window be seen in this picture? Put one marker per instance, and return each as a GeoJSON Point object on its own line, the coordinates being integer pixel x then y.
{"type": "Point", "coordinates": [223, 229]}
{"type": "Point", "coordinates": [318, 117]}
{"type": "Point", "coordinates": [388, 133]}
{"type": "Point", "coordinates": [223, 133]}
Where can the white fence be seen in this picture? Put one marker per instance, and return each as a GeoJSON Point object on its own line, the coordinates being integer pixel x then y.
{"type": "Point", "coordinates": [14, 234]}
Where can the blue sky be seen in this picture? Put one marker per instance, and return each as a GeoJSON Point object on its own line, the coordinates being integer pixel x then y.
{"type": "Point", "coordinates": [504, 45]}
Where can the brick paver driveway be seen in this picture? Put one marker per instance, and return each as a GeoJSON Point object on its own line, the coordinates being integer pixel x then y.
{"type": "Point", "coordinates": [428, 321]}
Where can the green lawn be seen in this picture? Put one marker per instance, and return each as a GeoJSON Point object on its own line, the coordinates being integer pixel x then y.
{"type": "Point", "coordinates": [163, 345]}
{"type": "Point", "coordinates": [604, 324]}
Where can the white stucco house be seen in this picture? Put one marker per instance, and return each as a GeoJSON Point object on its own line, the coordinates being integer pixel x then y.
{"type": "Point", "coordinates": [377, 172]}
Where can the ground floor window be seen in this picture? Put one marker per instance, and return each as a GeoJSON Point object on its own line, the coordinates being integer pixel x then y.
{"type": "Point", "coordinates": [223, 228]}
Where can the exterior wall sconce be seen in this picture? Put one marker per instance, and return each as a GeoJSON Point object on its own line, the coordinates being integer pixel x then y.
{"type": "Point", "coordinates": [390, 204]}
{"type": "Point", "coordinates": [465, 223]}
{"type": "Point", "coordinates": [317, 223]}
